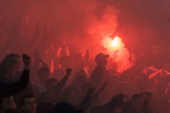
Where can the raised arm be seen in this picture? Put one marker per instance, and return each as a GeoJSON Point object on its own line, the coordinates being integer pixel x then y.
{"type": "Point", "coordinates": [63, 81]}
{"type": "Point", "coordinates": [153, 75]}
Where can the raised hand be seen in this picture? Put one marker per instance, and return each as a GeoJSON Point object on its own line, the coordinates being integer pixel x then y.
{"type": "Point", "coordinates": [68, 71]}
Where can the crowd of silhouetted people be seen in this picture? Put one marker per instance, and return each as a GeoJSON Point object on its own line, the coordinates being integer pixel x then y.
{"type": "Point", "coordinates": [56, 79]}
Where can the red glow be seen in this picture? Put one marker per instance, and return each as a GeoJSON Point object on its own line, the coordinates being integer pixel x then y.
{"type": "Point", "coordinates": [113, 44]}
{"type": "Point", "coordinates": [116, 42]}
{"type": "Point", "coordinates": [117, 52]}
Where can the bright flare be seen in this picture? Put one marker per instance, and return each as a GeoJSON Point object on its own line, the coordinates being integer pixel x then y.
{"type": "Point", "coordinates": [113, 44]}
{"type": "Point", "coordinates": [116, 42]}
{"type": "Point", "coordinates": [117, 52]}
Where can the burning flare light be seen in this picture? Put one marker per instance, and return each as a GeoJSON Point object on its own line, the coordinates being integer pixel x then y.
{"type": "Point", "coordinates": [117, 52]}
{"type": "Point", "coordinates": [116, 42]}
{"type": "Point", "coordinates": [113, 44]}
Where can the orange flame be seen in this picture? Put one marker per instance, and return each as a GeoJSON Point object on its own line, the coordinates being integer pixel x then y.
{"type": "Point", "coordinates": [113, 44]}
{"type": "Point", "coordinates": [117, 52]}
{"type": "Point", "coordinates": [116, 42]}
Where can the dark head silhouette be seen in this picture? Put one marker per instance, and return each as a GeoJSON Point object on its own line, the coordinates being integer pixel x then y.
{"type": "Point", "coordinates": [101, 59]}
{"type": "Point", "coordinates": [10, 65]}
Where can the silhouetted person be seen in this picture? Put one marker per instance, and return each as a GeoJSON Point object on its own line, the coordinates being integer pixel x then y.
{"type": "Point", "coordinates": [61, 84]}
{"type": "Point", "coordinates": [86, 101]}
{"type": "Point", "coordinates": [71, 95]}
{"type": "Point", "coordinates": [135, 71]}
{"type": "Point", "coordinates": [135, 105]}
{"type": "Point", "coordinates": [38, 64]}
{"type": "Point", "coordinates": [8, 70]}
{"type": "Point", "coordinates": [63, 53]}
{"type": "Point", "coordinates": [8, 103]}
{"type": "Point", "coordinates": [43, 74]}
{"type": "Point", "coordinates": [115, 105]}
{"type": "Point", "coordinates": [81, 73]}
{"type": "Point", "coordinates": [90, 98]}
{"type": "Point", "coordinates": [28, 104]}
{"type": "Point", "coordinates": [148, 97]}
{"type": "Point", "coordinates": [134, 75]}
{"type": "Point", "coordinates": [58, 71]}
{"type": "Point", "coordinates": [99, 74]}
{"type": "Point", "coordinates": [54, 89]}
{"type": "Point", "coordinates": [48, 95]}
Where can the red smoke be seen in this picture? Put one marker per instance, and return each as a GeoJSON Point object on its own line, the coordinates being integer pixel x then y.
{"type": "Point", "coordinates": [117, 52]}
{"type": "Point", "coordinates": [87, 21]}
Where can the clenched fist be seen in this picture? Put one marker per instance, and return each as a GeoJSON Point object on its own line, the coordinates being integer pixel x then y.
{"type": "Point", "coordinates": [68, 71]}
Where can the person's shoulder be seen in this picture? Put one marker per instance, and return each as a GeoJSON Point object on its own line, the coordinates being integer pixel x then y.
{"type": "Point", "coordinates": [94, 71]}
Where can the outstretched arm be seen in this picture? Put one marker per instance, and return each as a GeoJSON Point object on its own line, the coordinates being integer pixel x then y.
{"type": "Point", "coordinates": [63, 81]}
{"type": "Point", "coordinates": [153, 75]}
